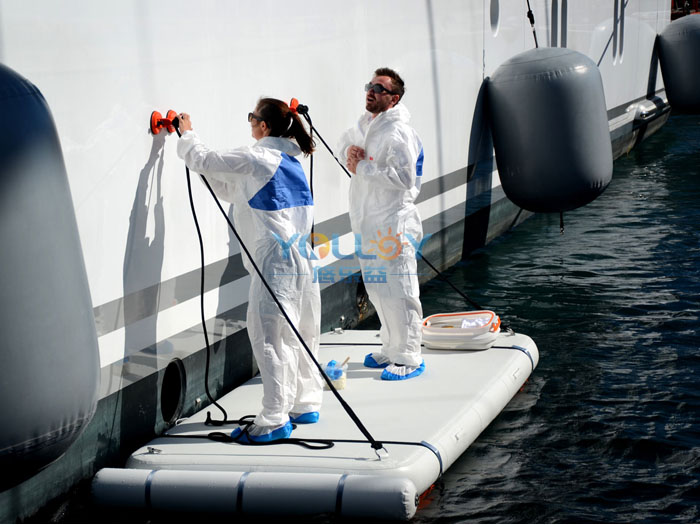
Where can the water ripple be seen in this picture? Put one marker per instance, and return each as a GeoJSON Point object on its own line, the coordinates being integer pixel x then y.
{"type": "Point", "coordinates": [608, 427]}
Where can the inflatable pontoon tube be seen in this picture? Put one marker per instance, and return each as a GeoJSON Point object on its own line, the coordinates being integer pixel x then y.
{"type": "Point", "coordinates": [271, 493]}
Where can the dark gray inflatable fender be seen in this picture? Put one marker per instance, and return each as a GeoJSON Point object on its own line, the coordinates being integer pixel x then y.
{"type": "Point", "coordinates": [550, 131]}
{"type": "Point", "coordinates": [49, 360]}
{"type": "Point", "coordinates": [679, 57]}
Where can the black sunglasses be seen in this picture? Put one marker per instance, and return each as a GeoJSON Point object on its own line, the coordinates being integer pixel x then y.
{"type": "Point", "coordinates": [378, 89]}
{"type": "Point", "coordinates": [252, 116]}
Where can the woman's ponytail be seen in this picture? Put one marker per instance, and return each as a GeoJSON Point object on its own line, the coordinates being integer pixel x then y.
{"type": "Point", "coordinates": [306, 143]}
{"type": "Point", "coordinates": [285, 122]}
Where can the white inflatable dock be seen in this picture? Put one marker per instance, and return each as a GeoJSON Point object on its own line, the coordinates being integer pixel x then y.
{"type": "Point", "coordinates": [425, 424]}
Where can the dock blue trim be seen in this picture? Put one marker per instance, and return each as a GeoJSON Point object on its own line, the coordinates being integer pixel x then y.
{"type": "Point", "coordinates": [239, 492]}
{"type": "Point", "coordinates": [147, 488]}
{"type": "Point", "coordinates": [521, 349]}
{"type": "Point", "coordinates": [339, 494]}
{"type": "Point", "coordinates": [436, 452]}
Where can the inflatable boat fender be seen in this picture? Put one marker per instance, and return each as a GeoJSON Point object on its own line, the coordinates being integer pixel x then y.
{"type": "Point", "coordinates": [679, 56]}
{"type": "Point", "coordinates": [271, 493]}
{"type": "Point", "coordinates": [550, 129]}
{"type": "Point", "coordinates": [49, 362]}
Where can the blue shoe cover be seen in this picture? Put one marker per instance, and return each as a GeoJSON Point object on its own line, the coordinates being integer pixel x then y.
{"type": "Point", "coordinates": [240, 436]}
{"type": "Point", "coordinates": [370, 362]}
{"type": "Point", "coordinates": [304, 419]}
{"type": "Point", "coordinates": [390, 376]}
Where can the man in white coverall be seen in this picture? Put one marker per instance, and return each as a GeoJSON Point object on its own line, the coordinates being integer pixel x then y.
{"type": "Point", "coordinates": [271, 201]}
{"type": "Point", "coordinates": [385, 155]}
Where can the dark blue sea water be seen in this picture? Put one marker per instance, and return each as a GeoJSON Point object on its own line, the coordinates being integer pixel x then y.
{"type": "Point", "coordinates": [608, 427]}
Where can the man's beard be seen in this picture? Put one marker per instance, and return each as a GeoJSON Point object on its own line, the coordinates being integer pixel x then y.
{"type": "Point", "coordinates": [375, 106]}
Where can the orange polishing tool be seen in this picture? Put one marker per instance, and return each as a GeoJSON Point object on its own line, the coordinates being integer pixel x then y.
{"type": "Point", "coordinates": [158, 122]}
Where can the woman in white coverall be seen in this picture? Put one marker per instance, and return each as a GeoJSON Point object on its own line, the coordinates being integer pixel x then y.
{"type": "Point", "coordinates": [386, 156]}
{"type": "Point", "coordinates": [271, 202]}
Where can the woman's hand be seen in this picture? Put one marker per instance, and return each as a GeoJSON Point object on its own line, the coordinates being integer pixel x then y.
{"type": "Point", "coordinates": [185, 122]}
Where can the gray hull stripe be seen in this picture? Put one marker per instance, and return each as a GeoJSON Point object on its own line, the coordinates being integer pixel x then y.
{"type": "Point", "coordinates": [146, 302]}
{"type": "Point", "coordinates": [149, 301]}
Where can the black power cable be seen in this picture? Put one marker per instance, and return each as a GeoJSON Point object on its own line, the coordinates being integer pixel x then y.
{"type": "Point", "coordinates": [201, 300]}
{"type": "Point", "coordinates": [309, 443]}
{"type": "Point", "coordinates": [304, 111]}
{"type": "Point", "coordinates": [175, 123]}
{"type": "Point", "coordinates": [531, 17]}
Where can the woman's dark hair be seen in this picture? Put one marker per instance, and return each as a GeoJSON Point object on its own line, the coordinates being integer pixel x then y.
{"type": "Point", "coordinates": [283, 122]}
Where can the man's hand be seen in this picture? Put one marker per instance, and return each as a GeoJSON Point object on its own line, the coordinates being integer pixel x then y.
{"type": "Point", "coordinates": [355, 155]}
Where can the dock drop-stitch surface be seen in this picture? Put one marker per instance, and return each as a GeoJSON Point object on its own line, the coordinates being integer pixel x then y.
{"type": "Point", "coordinates": [441, 412]}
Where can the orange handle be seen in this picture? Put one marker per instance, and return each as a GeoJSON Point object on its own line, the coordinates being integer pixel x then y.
{"type": "Point", "coordinates": [495, 325]}
{"type": "Point", "coordinates": [158, 122]}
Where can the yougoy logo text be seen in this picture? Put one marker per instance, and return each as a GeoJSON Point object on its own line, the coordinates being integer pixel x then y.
{"type": "Point", "coordinates": [387, 247]}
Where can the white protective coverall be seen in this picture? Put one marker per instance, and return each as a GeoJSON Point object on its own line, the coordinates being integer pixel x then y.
{"type": "Point", "coordinates": [270, 195]}
{"type": "Point", "coordinates": [382, 195]}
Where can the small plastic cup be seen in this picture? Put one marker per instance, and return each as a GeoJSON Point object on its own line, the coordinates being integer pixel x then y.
{"type": "Point", "coordinates": [337, 374]}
